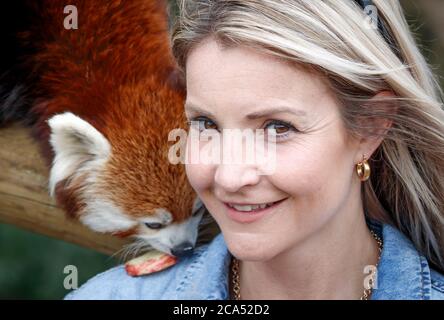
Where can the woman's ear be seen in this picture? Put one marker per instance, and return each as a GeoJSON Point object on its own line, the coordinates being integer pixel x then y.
{"type": "Point", "coordinates": [384, 104]}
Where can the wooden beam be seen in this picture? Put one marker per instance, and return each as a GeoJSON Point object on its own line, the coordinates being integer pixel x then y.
{"type": "Point", "coordinates": [24, 199]}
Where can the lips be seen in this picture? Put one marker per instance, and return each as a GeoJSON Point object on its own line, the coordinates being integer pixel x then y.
{"type": "Point", "coordinates": [253, 215]}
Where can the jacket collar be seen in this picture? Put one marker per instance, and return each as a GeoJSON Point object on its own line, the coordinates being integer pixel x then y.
{"type": "Point", "coordinates": [402, 272]}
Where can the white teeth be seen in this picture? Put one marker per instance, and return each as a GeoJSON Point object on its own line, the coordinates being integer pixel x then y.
{"type": "Point", "coordinates": [250, 207]}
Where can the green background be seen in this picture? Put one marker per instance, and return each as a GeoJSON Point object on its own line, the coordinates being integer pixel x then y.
{"type": "Point", "coordinates": [31, 265]}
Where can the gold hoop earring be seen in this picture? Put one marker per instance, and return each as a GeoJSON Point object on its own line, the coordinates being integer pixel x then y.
{"type": "Point", "coordinates": [363, 169]}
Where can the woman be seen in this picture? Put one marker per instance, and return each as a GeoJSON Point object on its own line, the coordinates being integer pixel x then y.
{"type": "Point", "coordinates": [354, 207]}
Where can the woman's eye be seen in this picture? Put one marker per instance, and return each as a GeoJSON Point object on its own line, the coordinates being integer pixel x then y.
{"type": "Point", "coordinates": [282, 128]}
{"type": "Point", "coordinates": [202, 124]}
{"type": "Point", "coordinates": [154, 225]}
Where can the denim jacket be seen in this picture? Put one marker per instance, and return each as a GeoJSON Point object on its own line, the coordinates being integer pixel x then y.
{"type": "Point", "coordinates": [403, 273]}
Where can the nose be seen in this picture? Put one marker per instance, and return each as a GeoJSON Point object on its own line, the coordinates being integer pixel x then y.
{"type": "Point", "coordinates": [182, 249]}
{"type": "Point", "coordinates": [233, 177]}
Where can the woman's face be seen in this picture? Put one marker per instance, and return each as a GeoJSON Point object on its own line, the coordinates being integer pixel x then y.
{"type": "Point", "coordinates": [315, 158]}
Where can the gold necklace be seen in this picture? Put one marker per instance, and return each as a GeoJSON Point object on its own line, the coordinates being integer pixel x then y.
{"type": "Point", "coordinates": [365, 296]}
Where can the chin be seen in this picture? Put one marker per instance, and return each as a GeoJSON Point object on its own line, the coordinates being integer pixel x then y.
{"type": "Point", "coordinates": [247, 247]}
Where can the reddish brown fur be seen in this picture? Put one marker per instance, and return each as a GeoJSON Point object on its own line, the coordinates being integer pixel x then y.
{"type": "Point", "coordinates": [116, 72]}
{"type": "Point", "coordinates": [126, 233]}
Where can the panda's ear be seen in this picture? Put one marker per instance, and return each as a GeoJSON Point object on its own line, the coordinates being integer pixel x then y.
{"type": "Point", "coordinates": [76, 144]}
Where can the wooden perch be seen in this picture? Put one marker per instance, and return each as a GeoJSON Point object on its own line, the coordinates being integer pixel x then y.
{"type": "Point", "coordinates": [24, 198]}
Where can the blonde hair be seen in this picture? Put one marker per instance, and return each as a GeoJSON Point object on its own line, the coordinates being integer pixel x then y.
{"type": "Point", "coordinates": [334, 37]}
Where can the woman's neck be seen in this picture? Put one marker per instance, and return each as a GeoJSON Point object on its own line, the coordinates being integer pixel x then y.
{"type": "Point", "coordinates": [328, 265]}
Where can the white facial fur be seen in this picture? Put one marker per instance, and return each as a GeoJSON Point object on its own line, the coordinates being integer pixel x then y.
{"type": "Point", "coordinates": [103, 216]}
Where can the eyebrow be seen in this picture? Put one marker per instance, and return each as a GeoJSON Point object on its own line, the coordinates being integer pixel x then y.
{"type": "Point", "coordinates": [254, 115]}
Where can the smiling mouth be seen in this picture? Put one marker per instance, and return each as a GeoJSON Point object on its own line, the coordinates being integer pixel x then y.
{"type": "Point", "coordinates": [253, 208]}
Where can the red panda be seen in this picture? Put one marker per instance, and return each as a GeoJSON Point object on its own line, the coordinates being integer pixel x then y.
{"type": "Point", "coordinates": [101, 100]}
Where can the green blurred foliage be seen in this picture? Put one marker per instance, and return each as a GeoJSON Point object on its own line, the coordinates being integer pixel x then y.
{"type": "Point", "coordinates": [31, 265]}
{"type": "Point", "coordinates": [426, 20]}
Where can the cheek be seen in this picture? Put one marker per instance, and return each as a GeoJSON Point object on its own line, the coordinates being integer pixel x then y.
{"type": "Point", "coordinates": [318, 169]}
{"type": "Point", "coordinates": [199, 175]}
{"type": "Point", "coordinates": [317, 176]}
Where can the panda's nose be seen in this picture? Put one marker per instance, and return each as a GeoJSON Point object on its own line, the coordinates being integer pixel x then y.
{"type": "Point", "coordinates": [183, 249]}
